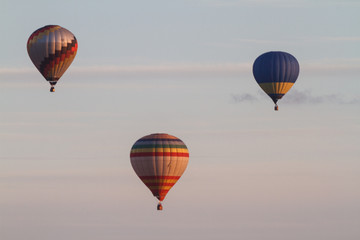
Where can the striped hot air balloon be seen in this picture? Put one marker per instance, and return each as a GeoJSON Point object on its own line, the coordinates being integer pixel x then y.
{"type": "Point", "coordinates": [276, 73]}
{"type": "Point", "coordinates": [159, 160]}
{"type": "Point", "coordinates": [52, 49]}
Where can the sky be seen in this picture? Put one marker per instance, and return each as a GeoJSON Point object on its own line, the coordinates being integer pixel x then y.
{"type": "Point", "coordinates": [183, 68]}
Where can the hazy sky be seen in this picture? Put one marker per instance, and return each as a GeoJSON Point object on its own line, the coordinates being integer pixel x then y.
{"type": "Point", "coordinates": [183, 68]}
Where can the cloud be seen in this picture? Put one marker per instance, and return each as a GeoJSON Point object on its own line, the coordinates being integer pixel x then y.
{"type": "Point", "coordinates": [163, 68]}
{"type": "Point", "coordinates": [20, 70]}
{"type": "Point", "coordinates": [245, 97]}
{"type": "Point", "coordinates": [338, 39]}
{"type": "Point", "coordinates": [298, 97]}
{"type": "Point", "coordinates": [304, 97]}
{"type": "Point", "coordinates": [318, 64]}
{"type": "Point", "coordinates": [230, 3]}
{"type": "Point", "coordinates": [236, 42]}
{"type": "Point", "coordinates": [135, 69]}
{"type": "Point", "coordinates": [330, 65]}
{"type": "Point", "coordinates": [277, 3]}
{"type": "Point", "coordinates": [284, 41]}
{"type": "Point", "coordinates": [30, 77]}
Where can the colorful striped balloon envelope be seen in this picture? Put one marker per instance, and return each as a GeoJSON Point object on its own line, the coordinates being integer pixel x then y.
{"type": "Point", "coordinates": [52, 49]}
{"type": "Point", "coordinates": [159, 160]}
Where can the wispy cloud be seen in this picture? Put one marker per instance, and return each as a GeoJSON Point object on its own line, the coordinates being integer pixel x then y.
{"type": "Point", "coordinates": [288, 41]}
{"type": "Point", "coordinates": [174, 70]}
{"type": "Point", "coordinates": [298, 97]}
{"type": "Point", "coordinates": [245, 97]}
{"type": "Point", "coordinates": [320, 64]}
{"type": "Point", "coordinates": [303, 97]}
{"type": "Point", "coordinates": [231, 43]}
{"type": "Point", "coordinates": [338, 39]}
{"type": "Point", "coordinates": [329, 66]}
{"type": "Point", "coordinates": [189, 67]}
{"type": "Point", "coordinates": [226, 3]}
{"type": "Point", "coordinates": [156, 68]}
{"type": "Point", "coordinates": [18, 70]}
{"type": "Point", "coordinates": [277, 3]}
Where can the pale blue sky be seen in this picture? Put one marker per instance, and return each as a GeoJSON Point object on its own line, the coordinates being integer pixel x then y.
{"type": "Point", "coordinates": [184, 68]}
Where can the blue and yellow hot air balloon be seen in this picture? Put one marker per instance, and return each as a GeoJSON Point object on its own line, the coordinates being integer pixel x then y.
{"type": "Point", "coordinates": [276, 73]}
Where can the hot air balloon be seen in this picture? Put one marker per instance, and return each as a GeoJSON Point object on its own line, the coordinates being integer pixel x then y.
{"type": "Point", "coordinates": [159, 160]}
{"type": "Point", "coordinates": [276, 73]}
{"type": "Point", "coordinates": [52, 49]}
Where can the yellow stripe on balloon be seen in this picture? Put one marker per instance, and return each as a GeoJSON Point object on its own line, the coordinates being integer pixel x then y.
{"type": "Point", "coordinates": [276, 87]}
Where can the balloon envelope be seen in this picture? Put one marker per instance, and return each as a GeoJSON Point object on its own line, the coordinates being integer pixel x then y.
{"type": "Point", "coordinates": [52, 49]}
{"type": "Point", "coordinates": [159, 160]}
{"type": "Point", "coordinates": [276, 73]}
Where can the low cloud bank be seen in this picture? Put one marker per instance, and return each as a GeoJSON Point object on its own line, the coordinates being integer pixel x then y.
{"type": "Point", "coordinates": [298, 97]}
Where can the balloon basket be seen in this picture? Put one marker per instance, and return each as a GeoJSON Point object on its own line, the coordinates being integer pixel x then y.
{"type": "Point", "coordinates": [159, 207]}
